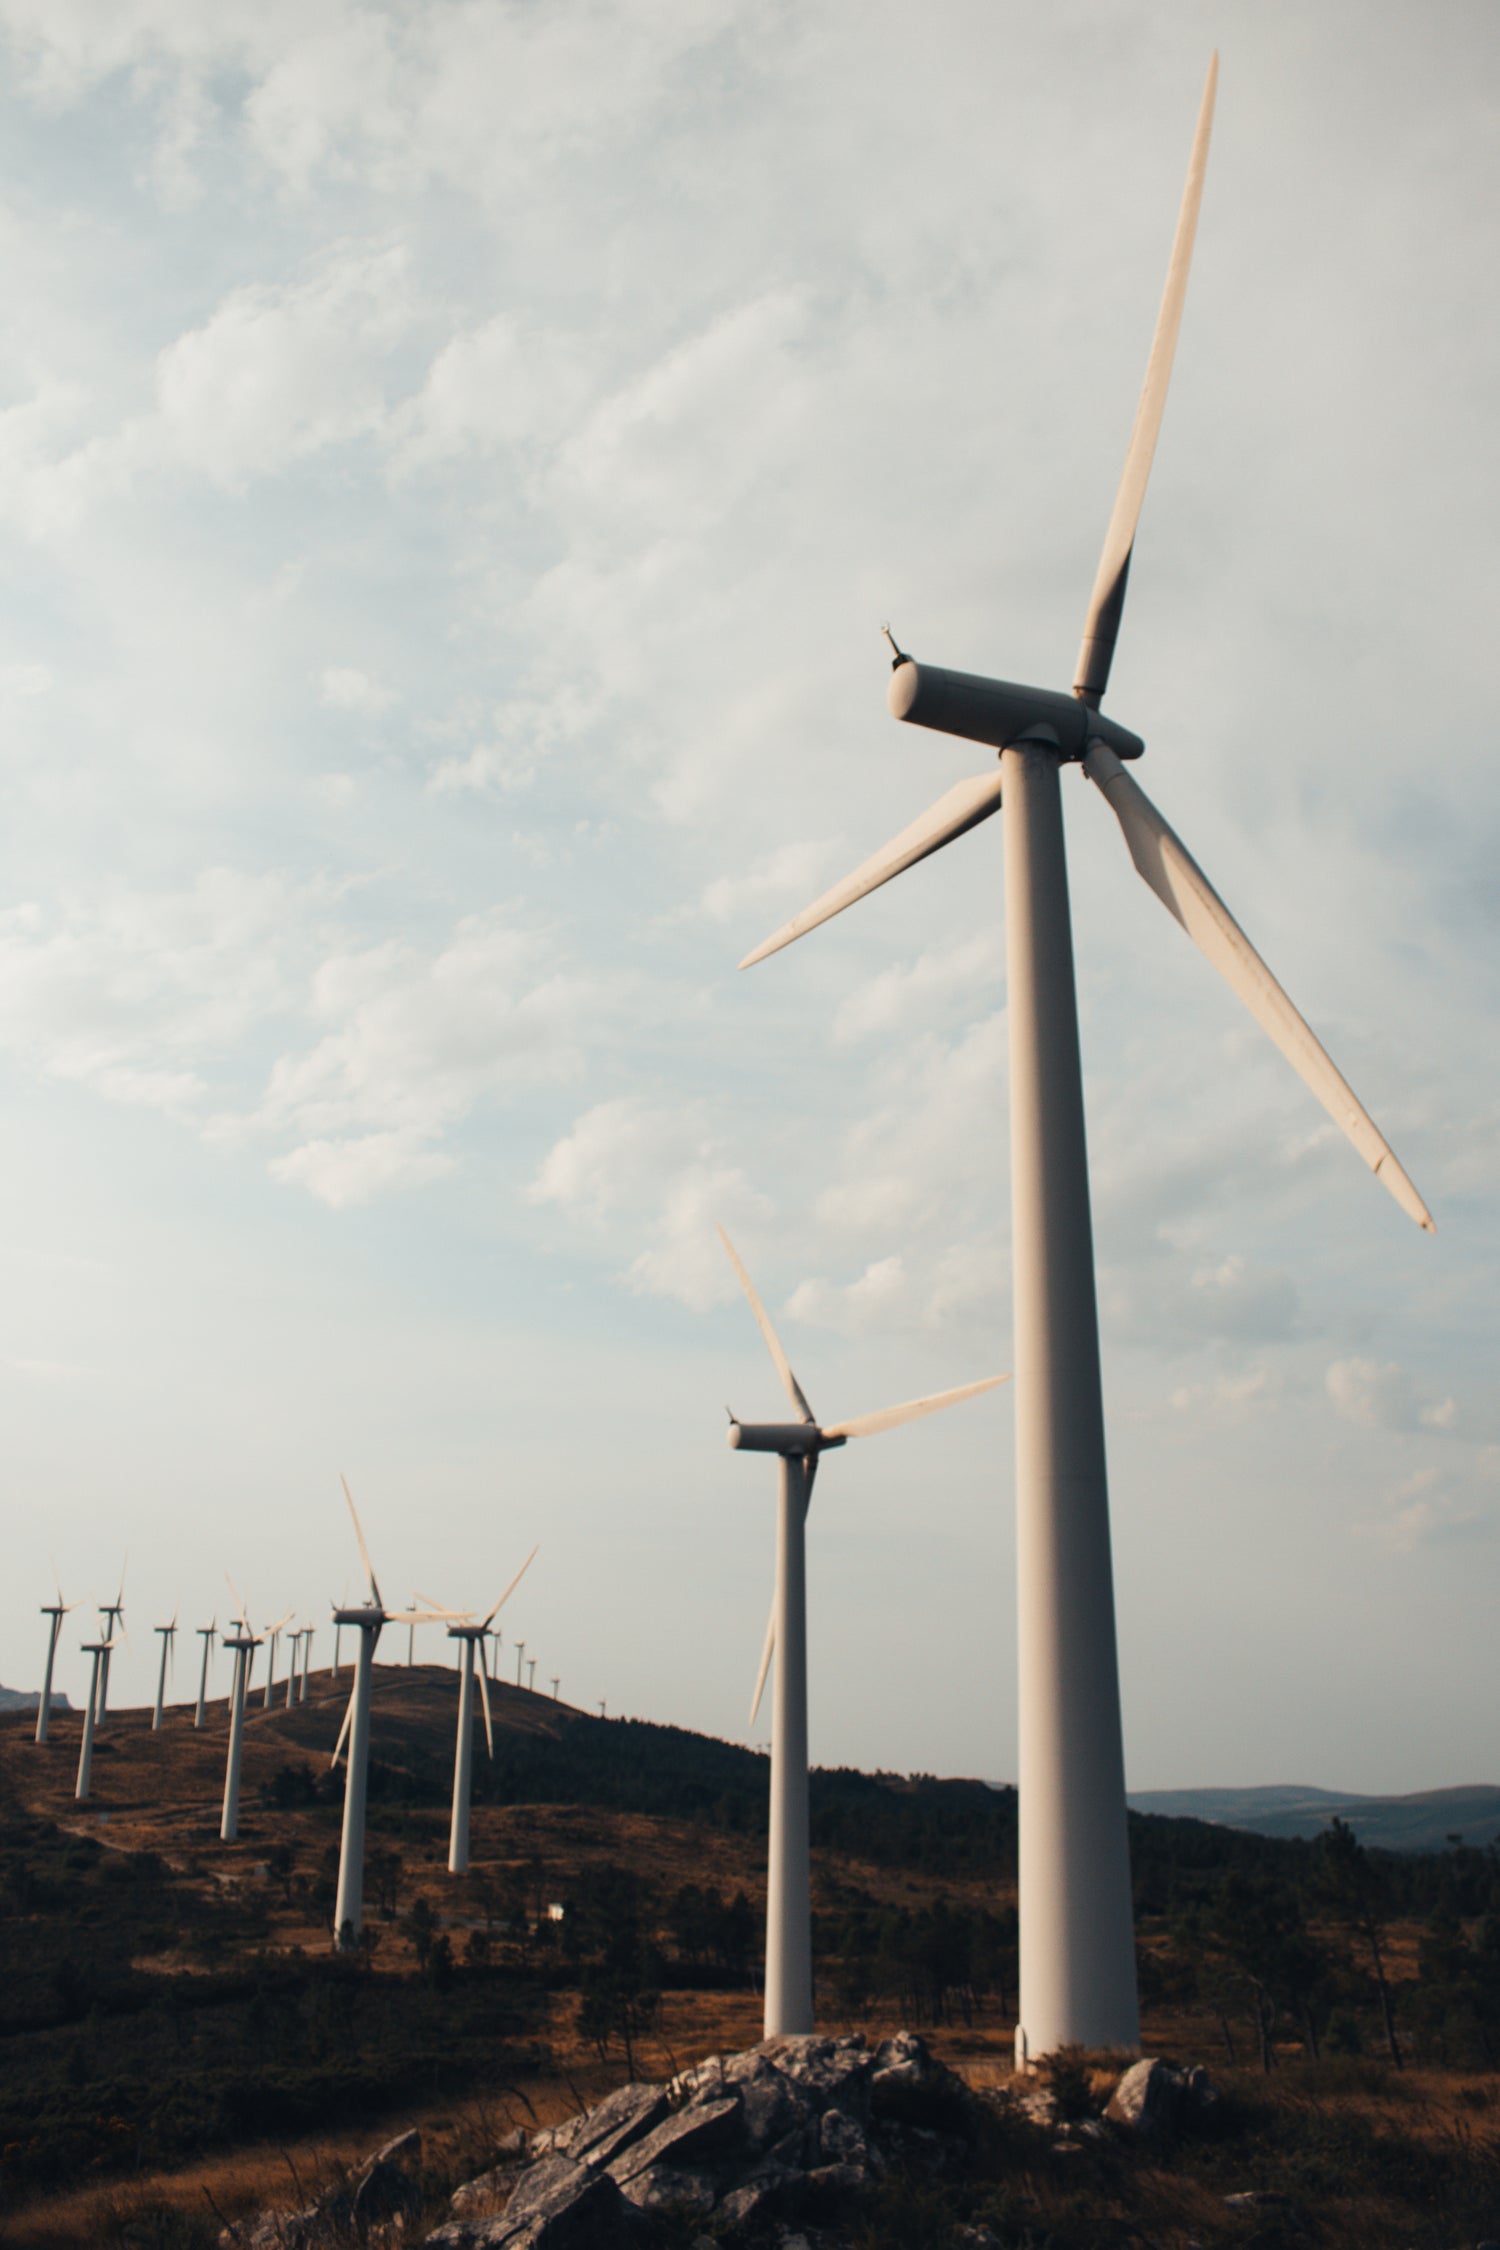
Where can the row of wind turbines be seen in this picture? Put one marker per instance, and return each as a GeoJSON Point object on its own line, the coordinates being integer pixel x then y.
{"type": "Point", "coordinates": [368, 1619]}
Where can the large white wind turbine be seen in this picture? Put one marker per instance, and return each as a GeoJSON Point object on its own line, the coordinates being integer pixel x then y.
{"type": "Point", "coordinates": [57, 1611]}
{"type": "Point", "coordinates": [789, 1997]}
{"type": "Point", "coordinates": [207, 1634]}
{"type": "Point", "coordinates": [469, 1637]}
{"type": "Point", "coordinates": [168, 1636]}
{"type": "Point", "coordinates": [367, 1618]}
{"type": "Point", "coordinates": [1077, 1955]}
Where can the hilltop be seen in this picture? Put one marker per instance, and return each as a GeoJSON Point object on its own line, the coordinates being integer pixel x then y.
{"type": "Point", "coordinates": [173, 2011]}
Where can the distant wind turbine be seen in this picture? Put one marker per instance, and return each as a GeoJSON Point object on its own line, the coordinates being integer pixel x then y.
{"type": "Point", "coordinates": [273, 1636]}
{"type": "Point", "coordinates": [168, 1636]}
{"type": "Point", "coordinates": [243, 1644]}
{"type": "Point", "coordinates": [1077, 1981]}
{"type": "Point", "coordinates": [207, 1634]}
{"type": "Point", "coordinates": [113, 1613]}
{"type": "Point", "coordinates": [368, 1618]}
{"type": "Point", "coordinates": [57, 1611]}
{"type": "Point", "coordinates": [788, 1995]}
{"type": "Point", "coordinates": [470, 1637]}
{"type": "Point", "coordinates": [97, 1650]}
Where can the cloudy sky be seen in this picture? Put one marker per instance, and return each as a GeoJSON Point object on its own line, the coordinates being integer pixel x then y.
{"type": "Point", "coordinates": [454, 461]}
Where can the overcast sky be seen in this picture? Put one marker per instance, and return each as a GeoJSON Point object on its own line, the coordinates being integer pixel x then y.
{"type": "Point", "coordinates": [454, 461]}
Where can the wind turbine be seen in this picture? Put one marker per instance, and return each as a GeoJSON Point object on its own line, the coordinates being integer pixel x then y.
{"type": "Point", "coordinates": [207, 1634]}
{"type": "Point", "coordinates": [98, 1650]}
{"type": "Point", "coordinates": [168, 1636]}
{"type": "Point", "coordinates": [273, 1635]}
{"type": "Point", "coordinates": [530, 1674]}
{"type": "Point", "coordinates": [1077, 1950]}
{"type": "Point", "coordinates": [113, 1613]}
{"type": "Point", "coordinates": [244, 1644]}
{"type": "Point", "coordinates": [520, 1652]}
{"type": "Point", "coordinates": [368, 1618]}
{"type": "Point", "coordinates": [57, 1611]}
{"type": "Point", "coordinates": [470, 1637]}
{"type": "Point", "coordinates": [789, 2001]}
{"type": "Point", "coordinates": [307, 1642]}
{"type": "Point", "coordinates": [555, 1686]}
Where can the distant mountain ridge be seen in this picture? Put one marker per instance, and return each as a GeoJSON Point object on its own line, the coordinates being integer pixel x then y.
{"type": "Point", "coordinates": [1420, 1823]}
{"type": "Point", "coordinates": [18, 1699]}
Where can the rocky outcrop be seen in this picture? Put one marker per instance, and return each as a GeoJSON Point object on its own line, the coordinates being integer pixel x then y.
{"type": "Point", "coordinates": [794, 2129]}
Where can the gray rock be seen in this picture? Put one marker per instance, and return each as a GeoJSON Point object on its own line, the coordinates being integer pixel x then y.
{"type": "Point", "coordinates": [668, 2187]}
{"type": "Point", "coordinates": [826, 2070]}
{"type": "Point", "coordinates": [841, 2140]}
{"type": "Point", "coordinates": [557, 2205]}
{"type": "Point", "coordinates": [772, 2191]}
{"type": "Point", "coordinates": [707, 2128]}
{"type": "Point", "coordinates": [481, 2198]}
{"type": "Point", "coordinates": [1148, 2099]}
{"type": "Point", "coordinates": [626, 2115]}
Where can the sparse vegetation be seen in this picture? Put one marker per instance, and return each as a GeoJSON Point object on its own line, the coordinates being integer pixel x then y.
{"type": "Point", "coordinates": [171, 2002]}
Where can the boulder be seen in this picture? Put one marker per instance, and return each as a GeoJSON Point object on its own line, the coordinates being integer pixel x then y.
{"type": "Point", "coordinates": [708, 2127]}
{"type": "Point", "coordinates": [626, 2115]}
{"type": "Point", "coordinates": [669, 2187]}
{"type": "Point", "coordinates": [558, 2205]}
{"type": "Point", "coordinates": [1149, 2098]}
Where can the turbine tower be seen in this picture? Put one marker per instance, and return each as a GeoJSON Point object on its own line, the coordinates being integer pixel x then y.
{"type": "Point", "coordinates": [789, 1994]}
{"type": "Point", "coordinates": [367, 1618]}
{"type": "Point", "coordinates": [97, 1650]}
{"type": "Point", "coordinates": [57, 1611]}
{"type": "Point", "coordinates": [1077, 1982]}
{"type": "Point", "coordinates": [168, 1636]}
{"type": "Point", "coordinates": [207, 1634]}
{"type": "Point", "coordinates": [470, 1637]}
{"type": "Point", "coordinates": [243, 1644]}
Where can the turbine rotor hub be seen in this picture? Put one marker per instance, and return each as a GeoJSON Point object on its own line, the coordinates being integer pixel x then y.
{"type": "Point", "coordinates": [1002, 712]}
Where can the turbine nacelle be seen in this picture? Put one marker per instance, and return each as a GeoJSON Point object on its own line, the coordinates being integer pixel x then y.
{"type": "Point", "coordinates": [780, 1437]}
{"type": "Point", "coordinates": [366, 1614]}
{"type": "Point", "coordinates": [1000, 712]}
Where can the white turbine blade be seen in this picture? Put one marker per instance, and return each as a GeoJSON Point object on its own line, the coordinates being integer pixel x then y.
{"type": "Point", "coordinates": [515, 1582]}
{"type": "Point", "coordinates": [364, 1552]}
{"type": "Point", "coordinates": [1108, 598]}
{"type": "Point", "coordinates": [765, 1663]}
{"type": "Point", "coordinates": [1164, 862]}
{"type": "Point", "coordinates": [456, 1616]}
{"type": "Point", "coordinates": [484, 1697]}
{"type": "Point", "coordinates": [244, 1613]}
{"type": "Point", "coordinates": [891, 1417]}
{"type": "Point", "coordinates": [957, 811]}
{"type": "Point", "coordinates": [338, 1747]}
{"type": "Point", "coordinates": [416, 1616]}
{"type": "Point", "coordinates": [773, 1342]}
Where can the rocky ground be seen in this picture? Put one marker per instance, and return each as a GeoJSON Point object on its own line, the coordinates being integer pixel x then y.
{"type": "Point", "coordinates": [789, 2142]}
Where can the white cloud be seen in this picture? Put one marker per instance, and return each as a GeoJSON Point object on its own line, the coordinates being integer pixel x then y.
{"type": "Point", "coordinates": [661, 1172]}
{"type": "Point", "coordinates": [1382, 1396]}
{"type": "Point", "coordinates": [1231, 1396]}
{"type": "Point", "coordinates": [908, 992]}
{"type": "Point", "coordinates": [1428, 1511]}
{"type": "Point", "coordinates": [785, 873]}
{"type": "Point", "coordinates": [342, 688]}
{"type": "Point", "coordinates": [281, 371]}
{"type": "Point", "coordinates": [855, 1306]}
{"type": "Point", "coordinates": [353, 1170]}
